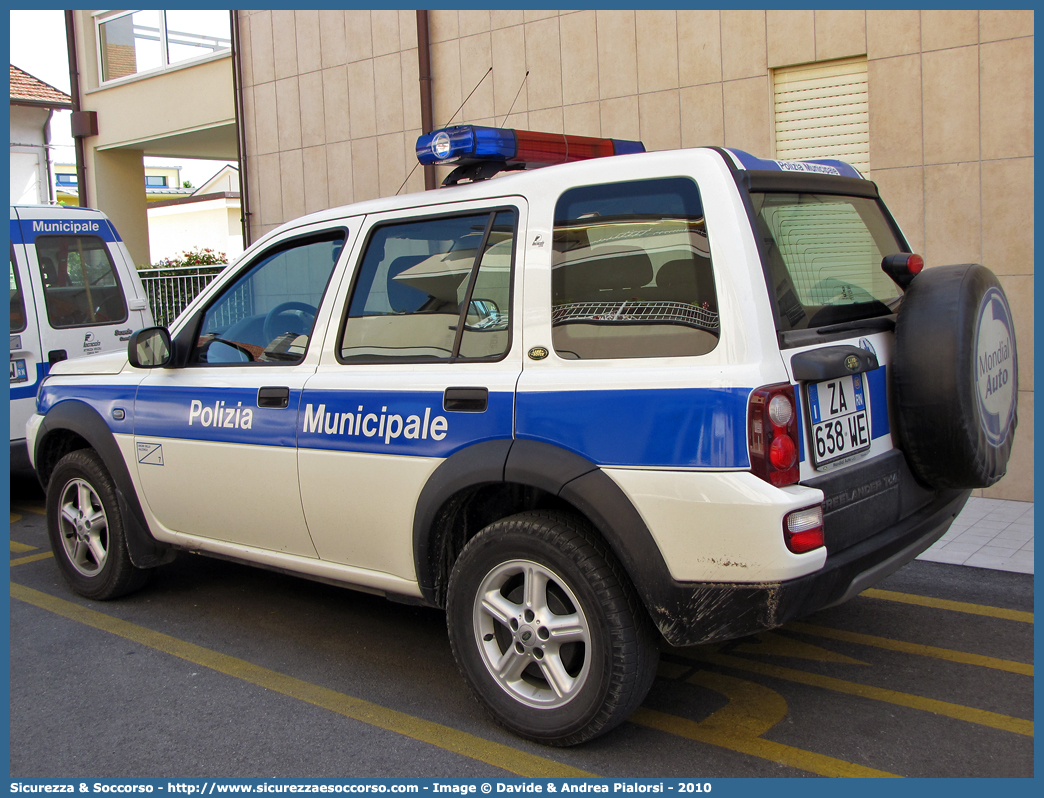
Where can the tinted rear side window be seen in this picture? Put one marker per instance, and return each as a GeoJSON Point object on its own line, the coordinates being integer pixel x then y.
{"type": "Point", "coordinates": [79, 281]}
{"type": "Point", "coordinates": [434, 289]}
{"type": "Point", "coordinates": [824, 257]}
{"type": "Point", "coordinates": [632, 272]}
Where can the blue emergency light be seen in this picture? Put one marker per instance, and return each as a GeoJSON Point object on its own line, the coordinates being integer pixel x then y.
{"type": "Point", "coordinates": [472, 144]}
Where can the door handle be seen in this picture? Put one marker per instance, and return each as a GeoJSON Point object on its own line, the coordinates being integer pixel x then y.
{"type": "Point", "coordinates": [465, 400]}
{"type": "Point", "coordinates": [271, 396]}
{"type": "Point", "coordinates": [56, 356]}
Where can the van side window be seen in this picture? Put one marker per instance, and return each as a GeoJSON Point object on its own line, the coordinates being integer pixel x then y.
{"type": "Point", "coordinates": [17, 302]}
{"type": "Point", "coordinates": [433, 290]}
{"type": "Point", "coordinates": [631, 272]}
{"type": "Point", "coordinates": [267, 315]}
{"type": "Point", "coordinates": [79, 281]}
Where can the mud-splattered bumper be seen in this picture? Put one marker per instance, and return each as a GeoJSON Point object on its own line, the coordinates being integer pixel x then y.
{"type": "Point", "coordinates": [689, 613]}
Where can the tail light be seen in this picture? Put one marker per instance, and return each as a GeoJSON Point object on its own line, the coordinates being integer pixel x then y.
{"type": "Point", "coordinates": [772, 434]}
{"type": "Point", "coordinates": [803, 529]}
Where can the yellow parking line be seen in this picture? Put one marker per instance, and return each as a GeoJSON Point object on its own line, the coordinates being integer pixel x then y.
{"type": "Point", "coordinates": [980, 716]}
{"type": "Point", "coordinates": [30, 558]}
{"type": "Point", "coordinates": [752, 710]}
{"type": "Point", "coordinates": [945, 604]}
{"type": "Point", "coordinates": [21, 548]}
{"type": "Point", "coordinates": [30, 508]}
{"type": "Point", "coordinates": [755, 746]}
{"type": "Point", "coordinates": [501, 756]}
{"type": "Point", "coordinates": [912, 648]}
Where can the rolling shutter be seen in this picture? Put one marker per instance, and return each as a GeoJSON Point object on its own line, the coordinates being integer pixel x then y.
{"type": "Point", "coordinates": [821, 111]}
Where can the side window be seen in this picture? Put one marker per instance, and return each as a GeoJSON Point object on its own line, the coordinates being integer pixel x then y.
{"type": "Point", "coordinates": [17, 302]}
{"type": "Point", "coordinates": [631, 272]}
{"type": "Point", "coordinates": [433, 290]}
{"type": "Point", "coordinates": [267, 315]}
{"type": "Point", "coordinates": [79, 281]}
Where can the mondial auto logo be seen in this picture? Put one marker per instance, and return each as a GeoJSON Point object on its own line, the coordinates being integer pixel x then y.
{"type": "Point", "coordinates": [440, 145]}
{"type": "Point", "coordinates": [995, 375]}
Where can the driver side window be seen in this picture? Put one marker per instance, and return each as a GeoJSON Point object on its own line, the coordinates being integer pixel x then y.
{"type": "Point", "coordinates": [267, 315]}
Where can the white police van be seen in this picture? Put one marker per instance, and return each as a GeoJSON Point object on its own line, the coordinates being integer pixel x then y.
{"type": "Point", "coordinates": [688, 395]}
{"type": "Point", "coordinates": [74, 292]}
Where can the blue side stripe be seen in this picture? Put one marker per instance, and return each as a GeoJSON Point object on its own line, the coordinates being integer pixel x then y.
{"type": "Point", "coordinates": [103, 398]}
{"type": "Point", "coordinates": [695, 428]}
{"type": "Point", "coordinates": [691, 428]}
{"type": "Point", "coordinates": [27, 390]}
{"type": "Point", "coordinates": [226, 415]}
{"type": "Point", "coordinates": [877, 384]}
{"type": "Point", "coordinates": [398, 422]}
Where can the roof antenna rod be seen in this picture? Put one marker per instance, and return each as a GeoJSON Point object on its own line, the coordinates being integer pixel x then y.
{"type": "Point", "coordinates": [512, 106]}
{"type": "Point", "coordinates": [414, 169]}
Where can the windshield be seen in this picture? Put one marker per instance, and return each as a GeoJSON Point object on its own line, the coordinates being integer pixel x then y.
{"type": "Point", "coordinates": [824, 255]}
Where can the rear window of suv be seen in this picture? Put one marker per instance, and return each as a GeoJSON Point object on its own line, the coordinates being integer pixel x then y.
{"type": "Point", "coordinates": [823, 256]}
{"type": "Point", "coordinates": [631, 272]}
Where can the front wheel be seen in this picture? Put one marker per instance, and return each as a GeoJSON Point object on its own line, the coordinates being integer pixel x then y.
{"type": "Point", "coordinates": [547, 629]}
{"type": "Point", "coordinates": [86, 529]}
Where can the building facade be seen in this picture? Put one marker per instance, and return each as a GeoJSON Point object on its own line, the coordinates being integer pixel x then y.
{"type": "Point", "coordinates": [33, 103]}
{"type": "Point", "coordinates": [935, 106]}
{"type": "Point", "coordinates": [149, 83]}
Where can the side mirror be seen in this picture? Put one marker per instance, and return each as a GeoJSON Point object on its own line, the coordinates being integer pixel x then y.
{"type": "Point", "coordinates": [149, 348]}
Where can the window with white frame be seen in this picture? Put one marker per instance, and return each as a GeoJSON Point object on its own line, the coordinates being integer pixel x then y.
{"type": "Point", "coordinates": [133, 42]}
{"type": "Point", "coordinates": [822, 111]}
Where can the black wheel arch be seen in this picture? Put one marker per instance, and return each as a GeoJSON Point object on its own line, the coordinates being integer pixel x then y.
{"type": "Point", "coordinates": [494, 479]}
{"type": "Point", "coordinates": [73, 424]}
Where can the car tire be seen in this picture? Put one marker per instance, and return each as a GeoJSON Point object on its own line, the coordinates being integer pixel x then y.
{"type": "Point", "coordinates": [547, 630]}
{"type": "Point", "coordinates": [955, 377]}
{"type": "Point", "coordinates": [86, 529]}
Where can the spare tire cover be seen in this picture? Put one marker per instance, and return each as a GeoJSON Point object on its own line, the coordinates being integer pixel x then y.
{"type": "Point", "coordinates": [955, 377]}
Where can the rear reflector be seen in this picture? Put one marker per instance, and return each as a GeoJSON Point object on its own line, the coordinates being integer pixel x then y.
{"type": "Point", "coordinates": [803, 529]}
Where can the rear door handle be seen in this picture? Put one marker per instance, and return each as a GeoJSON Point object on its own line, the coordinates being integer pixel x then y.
{"type": "Point", "coordinates": [465, 400]}
{"type": "Point", "coordinates": [271, 396]}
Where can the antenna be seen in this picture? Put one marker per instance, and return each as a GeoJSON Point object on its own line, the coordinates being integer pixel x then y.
{"type": "Point", "coordinates": [511, 107]}
{"type": "Point", "coordinates": [414, 169]}
{"type": "Point", "coordinates": [468, 97]}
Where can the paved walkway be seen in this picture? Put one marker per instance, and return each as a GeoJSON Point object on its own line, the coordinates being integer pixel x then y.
{"type": "Point", "coordinates": [989, 533]}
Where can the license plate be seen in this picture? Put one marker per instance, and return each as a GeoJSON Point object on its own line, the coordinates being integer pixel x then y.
{"type": "Point", "coordinates": [18, 372]}
{"type": "Point", "coordinates": [838, 418]}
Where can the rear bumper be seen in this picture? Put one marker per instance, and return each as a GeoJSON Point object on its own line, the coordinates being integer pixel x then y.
{"type": "Point", "coordinates": [694, 613]}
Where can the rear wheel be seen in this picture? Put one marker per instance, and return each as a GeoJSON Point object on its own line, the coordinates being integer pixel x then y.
{"type": "Point", "coordinates": [86, 529]}
{"type": "Point", "coordinates": [547, 629]}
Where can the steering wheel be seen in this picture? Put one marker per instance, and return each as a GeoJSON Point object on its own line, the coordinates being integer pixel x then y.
{"type": "Point", "coordinates": [272, 326]}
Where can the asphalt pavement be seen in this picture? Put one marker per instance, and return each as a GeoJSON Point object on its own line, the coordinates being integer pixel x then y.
{"type": "Point", "coordinates": [220, 670]}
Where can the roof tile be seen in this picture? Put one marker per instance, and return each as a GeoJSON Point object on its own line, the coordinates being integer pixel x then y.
{"type": "Point", "coordinates": [25, 87]}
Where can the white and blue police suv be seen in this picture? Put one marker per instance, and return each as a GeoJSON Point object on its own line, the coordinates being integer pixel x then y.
{"type": "Point", "coordinates": [686, 395]}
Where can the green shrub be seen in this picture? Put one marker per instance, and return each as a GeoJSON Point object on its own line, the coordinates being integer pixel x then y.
{"type": "Point", "coordinates": [199, 256]}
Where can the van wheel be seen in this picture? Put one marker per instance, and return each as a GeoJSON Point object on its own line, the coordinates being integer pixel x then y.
{"type": "Point", "coordinates": [547, 629]}
{"type": "Point", "coordinates": [86, 529]}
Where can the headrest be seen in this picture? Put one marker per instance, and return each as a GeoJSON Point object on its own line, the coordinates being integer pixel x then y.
{"type": "Point", "coordinates": [616, 269]}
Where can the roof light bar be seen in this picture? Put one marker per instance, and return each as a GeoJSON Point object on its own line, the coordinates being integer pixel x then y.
{"type": "Point", "coordinates": [472, 144]}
